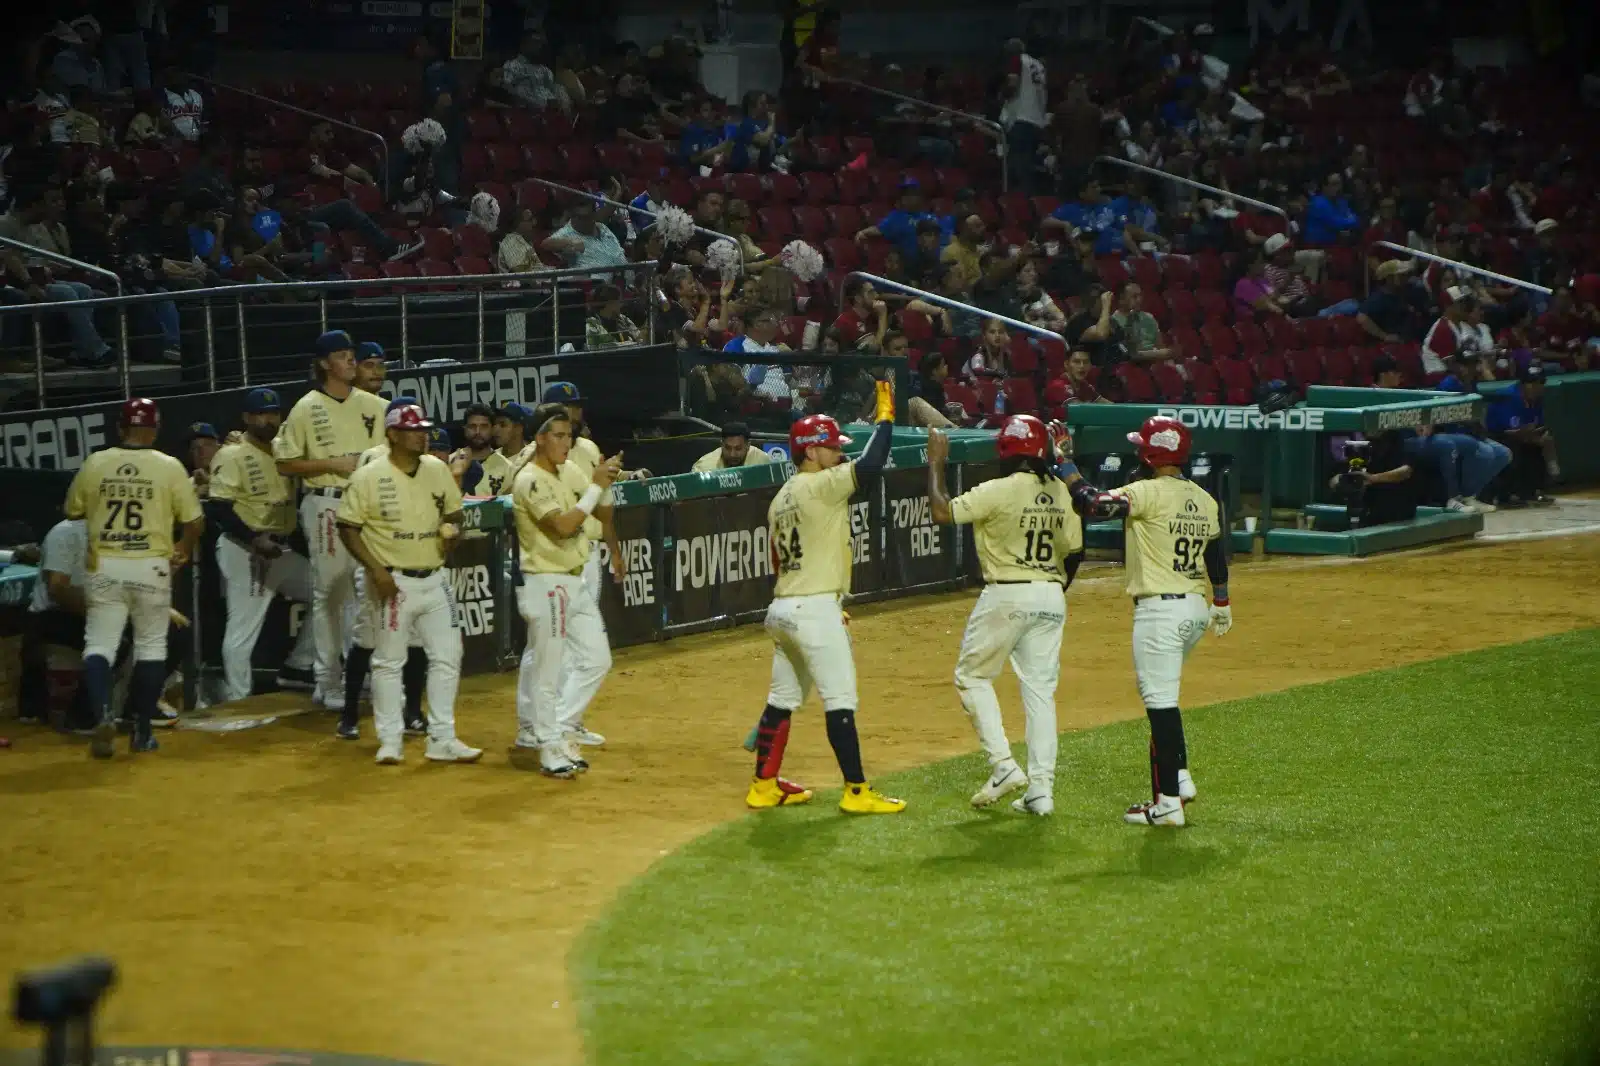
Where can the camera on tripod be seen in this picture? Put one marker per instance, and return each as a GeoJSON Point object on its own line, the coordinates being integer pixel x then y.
{"type": "Point", "coordinates": [1353, 481]}
{"type": "Point", "coordinates": [62, 1000]}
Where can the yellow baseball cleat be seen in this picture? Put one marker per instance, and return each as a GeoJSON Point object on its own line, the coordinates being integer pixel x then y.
{"type": "Point", "coordinates": [864, 799]}
{"type": "Point", "coordinates": [775, 792]}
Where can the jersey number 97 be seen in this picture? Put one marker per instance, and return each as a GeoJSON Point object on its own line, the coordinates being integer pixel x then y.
{"type": "Point", "coordinates": [1186, 554]}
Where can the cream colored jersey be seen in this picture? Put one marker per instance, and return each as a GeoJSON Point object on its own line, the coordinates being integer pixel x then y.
{"type": "Point", "coordinates": [129, 499]}
{"type": "Point", "coordinates": [1024, 527]}
{"type": "Point", "coordinates": [713, 460]}
{"type": "Point", "coordinates": [320, 427]}
{"type": "Point", "coordinates": [585, 455]}
{"type": "Point", "coordinates": [1170, 522]}
{"type": "Point", "coordinates": [399, 514]}
{"type": "Point", "coordinates": [497, 469]}
{"type": "Point", "coordinates": [809, 523]}
{"type": "Point", "coordinates": [247, 476]}
{"type": "Point", "coordinates": [539, 494]}
{"type": "Point", "coordinates": [373, 454]}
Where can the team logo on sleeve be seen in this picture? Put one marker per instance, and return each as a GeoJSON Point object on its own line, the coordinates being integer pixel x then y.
{"type": "Point", "coordinates": [438, 501]}
{"type": "Point", "coordinates": [494, 485]}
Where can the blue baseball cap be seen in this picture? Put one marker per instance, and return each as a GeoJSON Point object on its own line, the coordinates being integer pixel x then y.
{"type": "Point", "coordinates": [198, 430]}
{"type": "Point", "coordinates": [438, 439]}
{"type": "Point", "coordinates": [562, 392]}
{"type": "Point", "coordinates": [260, 401]}
{"type": "Point", "coordinates": [516, 412]}
{"type": "Point", "coordinates": [402, 401]}
{"type": "Point", "coordinates": [335, 340]}
{"type": "Point", "coordinates": [369, 350]}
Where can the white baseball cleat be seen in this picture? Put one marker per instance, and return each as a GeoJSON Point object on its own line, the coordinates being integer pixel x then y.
{"type": "Point", "coordinates": [587, 738]}
{"type": "Point", "coordinates": [1038, 803]}
{"type": "Point", "coordinates": [527, 740]}
{"type": "Point", "coordinates": [390, 754]}
{"type": "Point", "coordinates": [1166, 812]}
{"type": "Point", "coordinates": [553, 762]}
{"type": "Point", "coordinates": [334, 703]}
{"type": "Point", "coordinates": [574, 755]}
{"type": "Point", "coordinates": [452, 750]}
{"type": "Point", "coordinates": [1186, 790]}
{"type": "Point", "coordinates": [1006, 779]}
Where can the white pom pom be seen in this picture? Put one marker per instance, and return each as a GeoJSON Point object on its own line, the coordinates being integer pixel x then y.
{"type": "Point", "coordinates": [724, 257]}
{"type": "Point", "coordinates": [422, 136]}
{"type": "Point", "coordinates": [485, 211]}
{"type": "Point", "coordinates": [677, 226]}
{"type": "Point", "coordinates": [803, 261]}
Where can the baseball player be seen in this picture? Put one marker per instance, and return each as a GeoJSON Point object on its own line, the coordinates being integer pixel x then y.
{"type": "Point", "coordinates": [1174, 537]}
{"type": "Point", "coordinates": [510, 438]}
{"type": "Point", "coordinates": [1030, 543]}
{"type": "Point", "coordinates": [809, 530]}
{"type": "Point", "coordinates": [252, 506]}
{"type": "Point", "coordinates": [321, 440]}
{"type": "Point", "coordinates": [358, 657]}
{"type": "Point", "coordinates": [735, 451]}
{"type": "Point", "coordinates": [576, 691]}
{"type": "Point", "coordinates": [398, 520]}
{"type": "Point", "coordinates": [553, 501]}
{"type": "Point", "coordinates": [130, 496]}
{"type": "Point", "coordinates": [372, 367]}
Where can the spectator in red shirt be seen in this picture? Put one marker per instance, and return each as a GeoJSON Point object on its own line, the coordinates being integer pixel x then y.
{"type": "Point", "coordinates": [1079, 388]}
{"type": "Point", "coordinates": [1562, 329]}
{"type": "Point", "coordinates": [1443, 338]}
{"type": "Point", "coordinates": [865, 318]}
{"type": "Point", "coordinates": [1387, 226]}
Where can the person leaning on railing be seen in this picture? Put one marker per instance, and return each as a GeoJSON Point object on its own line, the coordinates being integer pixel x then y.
{"type": "Point", "coordinates": [608, 327]}
{"type": "Point", "coordinates": [35, 219]}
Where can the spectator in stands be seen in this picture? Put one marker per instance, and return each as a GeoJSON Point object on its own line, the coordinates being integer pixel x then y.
{"type": "Point", "coordinates": [1095, 330]}
{"type": "Point", "coordinates": [628, 114]}
{"type": "Point", "coordinates": [736, 224]}
{"type": "Point", "coordinates": [735, 451]}
{"type": "Point", "coordinates": [649, 203]}
{"type": "Point", "coordinates": [1517, 421]}
{"type": "Point", "coordinates": [1023, 297]}
{"type": "Point", "coordinates": [923, 267]}
{"type": "Point", "coordinates": [817, 61]}
{"type": "Point", "coordinates": [77, 65]}
{"type": "Point", "coordinates": [1443, 338]}
{"type": "Point", "coordinates": [688, 310]}
{"type": "Point", "coordinates": [956, 285]}
{"type": "Point", "coordinates": [1393, 312]}
{"type": "Point", "coordinates": [753, 139]}
{"type": "Point", "coordinates": [82, 120]}
{"type": "Point", "coordinates": [36, 218]}
{"type": "Point", "coordinates": [1329, 215]}
{"type": "Point", "coordinates": [184, 109]}
{"type": "Point", "coordinates": [1070, 273]}
{"type": "Point", "coordinates": [583, 241]}
{"type": "Point", "coordinates": [967, 248]}
{"type": "Point", "coordinates": [899, 227]}
{"type": "Point", "coordinates": [327, 162]}
{"type": "Point", "coordinates": [991, 361]}
{"type": "Point", "coordinates": [1253, 294]}
{"type": "Point", "coordinates": [608, 327]}
{"type": "Point", "coordinates": [251, 238]}
{"type": "Point", "coordinates": [1386, 373]}
{"type": "Point", "coordinates": [529, 79]}
{"type": "Point", "coordinates": [1079, 384]}
{"type": "Point", "coordinates": [200, 446]}
{"type": "Point", "coordinates": [1286, 280]}
{"type": "Point", "coordinates": [1025, 113]}
{"type": "Point", "coordinates": [1139, 327]}
{"type": "Point", "coordinates": [703, 142]}
{"type": "Point", "coordinates": [144, 127]}
{"type": "Point", "coordinates": [864, 322]}
{"type": "Point", "coordinates": [1425, 92]}
{"type": "Point", "coordinates": [1080, 125]}
{"type": "Point", "coordinates": [1098, 213]}
{"type": "Point", "coordinates": [1545, 263]}
{"type": "Point", "coordinates": [1143, 221]}
{"type": "Point", "coordinates": [1386, 226]}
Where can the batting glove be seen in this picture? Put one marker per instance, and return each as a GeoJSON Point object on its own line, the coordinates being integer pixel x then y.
{"type": "Point", "coordinates": [1221, 618]}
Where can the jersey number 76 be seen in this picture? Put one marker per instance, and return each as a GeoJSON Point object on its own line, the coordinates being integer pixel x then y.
{"type": "Point", "coordinates": [130, 511]}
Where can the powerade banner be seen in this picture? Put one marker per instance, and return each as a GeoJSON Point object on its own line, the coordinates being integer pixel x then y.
{"type": "Point", "coordinates": [718, 558]}
{"type": "Point", "coordinates": [919, 550]}
{"type": "Point", "coordinates": [632, 383]}
{"type": "Point", "coordinates": [632, 607]}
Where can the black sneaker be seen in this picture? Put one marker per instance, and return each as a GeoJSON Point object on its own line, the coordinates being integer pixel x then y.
{"type": "Point", "coordinates": [142, 738]}
{"type": "Point", "coordinates": [296, 679]}
{"type": "Point", "coordinates": [416, 727]}
{"type": "Point", "coordinates": [348, 730]}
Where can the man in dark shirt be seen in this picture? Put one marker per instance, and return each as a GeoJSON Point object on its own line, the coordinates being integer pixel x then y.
{"type": "Point", "coordinates": [1095, 331]}
{"type": "Point", "coordinates": [1393, 313]}
{"type": "Point", "coordinates": [622, 117]}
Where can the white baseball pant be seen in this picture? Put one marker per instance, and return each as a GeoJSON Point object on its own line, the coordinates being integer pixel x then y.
{"type": "Point", "coordinates": [563, 623]}
{"type": "Point", "coordinates": [1021, 622]}
{"type": "Point", "coordinates": [422, 611]}
{"type": "Point", "coordinates": [811, 649]}
{"type": "Point", "coordinates": [332, 588]}
{"type": "Point", "coordinates": [128, 590]}
{"type": "Point", "coordinates": [249, 584]}
{"type": "Point", "coordinates": [1165, 631]}
{"type": "Point", "coordinates": [582, 661]}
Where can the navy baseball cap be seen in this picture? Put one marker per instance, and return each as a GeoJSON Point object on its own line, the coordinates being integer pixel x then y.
{"type": "Point", "coordinates": [562, 392]}
{"type": "Point", "coordinates": [260, 401]}
{"type": "Point", "coordinates": [438, 439]}
{"type": "Point", "coordinates": [197, 430]}
{"type": "Point", "coordinates": [910, 185]}
{"type": "Point", "coordinates": [402, 401]}
{"type": "Point", "coordinates": [515, 412]}
{"type": "Point", "coordinates": [335, 340]}
{"type": "Point", "coordinates": [369, 350]}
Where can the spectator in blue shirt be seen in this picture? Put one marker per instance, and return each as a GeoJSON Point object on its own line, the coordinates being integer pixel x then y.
{"type": "Point", "coordinates": [1329, 214]}
{"type": "Point", "coordinates": [702, 143]}
{"type": "Point", "coordinates": [1479, 458]}
{"type": "Point", "coordinates": [899, 227]}
{"type": "Point", "coordinates": [1096, 213]}
{"type": "Point", "coordinates": [1517, 421]}
{"type": "Point", "coordinates": [648, 203]}
{"type": "Point", "coordinates": [754, 139]}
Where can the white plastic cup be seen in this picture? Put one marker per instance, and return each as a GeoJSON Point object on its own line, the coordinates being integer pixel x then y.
{"type": "Point", "coordinates": [1250, 525]}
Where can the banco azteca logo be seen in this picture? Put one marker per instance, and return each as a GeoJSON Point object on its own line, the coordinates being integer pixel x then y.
{"type": "Point", "coordinates": [1191, 506]}
{"type": "Point", "coordinates": [1044, 499]}
{"type": "Point", "coordinates": [127, 470]}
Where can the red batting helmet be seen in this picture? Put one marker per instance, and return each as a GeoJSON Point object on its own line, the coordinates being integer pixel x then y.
{"type": "Point", "coordinates": [406, 416]}
{"type": "Point", "coordinates": [1022, 435]}
{"type": "Point", "coordinates": [1162, 441]}
{"type": "Point", "coordinates": [819, 431]}
{"type": "Point", "coordinates": [141, 413]}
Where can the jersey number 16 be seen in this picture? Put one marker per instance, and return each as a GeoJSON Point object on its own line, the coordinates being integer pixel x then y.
{"type": "Point", "coordinates": [1041, 546]}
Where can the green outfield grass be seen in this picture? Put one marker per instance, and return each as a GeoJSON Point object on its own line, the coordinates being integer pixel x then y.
{"type": "Point", "coordinates": [1401, 867]}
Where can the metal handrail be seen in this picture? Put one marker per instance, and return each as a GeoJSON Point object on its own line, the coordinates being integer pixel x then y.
{"type": "Point", "coordinates": [945, 301]}
{"type": "Point", "coordinates": [977, 120]}
{"type": "Point", "coordinates": [122, 317]}
{"type": "Point", "coordinates": [1458, 265]}
{"type": "Point", "coordinates": [319, 116]}
{"type": "Point", "coordinates": [585, 193]}
{"type": "Point", "coordinates": [1202, 186]}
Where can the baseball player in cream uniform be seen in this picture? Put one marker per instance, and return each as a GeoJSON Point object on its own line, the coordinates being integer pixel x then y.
{"type": "Point", "coordinates": [320, 442]}
{"type": "Point", "coordinates": [1030, 543]}
{"type": "Point", "coordinates": [553, 501]}
{"type": "Point", "coordinates": [511, 427]}
{"type": "Point", "coordinates": [253, 508]}
{"type": "Point", "coordinates": [130, 497]}
{"type": "Point", "coordinates": [398, 519]}
{"type": "Point", "coordinates": [1175, 549]}
{"type": "Point", "coordinates": [585, 455]}
{"type": "Point", "coordinates": [809, 531]}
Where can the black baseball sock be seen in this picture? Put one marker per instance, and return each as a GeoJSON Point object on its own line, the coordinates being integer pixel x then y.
{"type": "Point", "coordinates": [846, 745]}
{"type": "Point", "coordinates": [772, 738]}
{"type": "Point", "coordinates": [414, 677]}
{"type": "Point", "coordinates": [1166, 747]}
{"type": "Point", "coordinates": [97, 684]}
{"type": "Point", "coordinates": [144, 692]}
{"type": "Point", "coordinates": [356, 666]}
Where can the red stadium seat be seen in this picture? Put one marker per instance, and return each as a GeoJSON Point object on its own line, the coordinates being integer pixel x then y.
{"type": "Point", "coordinates": [1189, 343]}
{"type": "Point", "coordinates": [917, 328]}
{"type": "Point", "coordinates": [878, 256]}
{"type": "Point", "coordinates": [484, 126]}
{"type": "Point", "coordinates": [746, 187]}
{"type": "Point", "coordinates": [1178, 272]}
{"type": "Point", "coordinates": [1152, 302]}
{"type": "Point", "coordinates": [1213, 305]}
{"type": "Point", "coordinates": [846, 220]}
{"type": "Point", "coordinates": [812, 224]}
{"type": "Point", "coordinates": [1305, 367]}
{"type": "Point", "coordinates": [1317, 332]}
{"type": "Point", "coordinates": [532, 195]}
{"type": "Point", "coordinates": [438, 244]}
{"type": "Point", "coordinates": [785, 189]}
{"type": "Point", "coordinates": [955, 392]}
{"type": "Point", "coordinates": [1170, 382]}
{"type": "Point", "coordinates": [399, 270]}
{"type": "Point", "coordinates": [777, 223]}
{"type": "Point", "coordinates": [819, 188]}
{"type": "Point", "coordinates": [1338, 366]}
{"type": "Point", "coordinates": [1147, 272]}
{"type": "Point", "coordinates": [1185, 312]}
{"type": "Point", "coordinates": [577, 161]}
{"type": "Point", "coordinates": [1112, 273]}
{"type": "Point", "coordinates": [541, 161]}
{"type": "Point", "coordinates": [843, 253]}
{"type": "Point", "coordinates": [1053, 354]}
{"type": "Point", "coordinates": [1208, 271]}
{"type": "Point", "coordinates": [1269, 366]}
{"type": "Point", "coordinates": [473, 241]}
{"type": "Point", "coordinates": [854, 187]}
{"type": "Point", "coordinates": [1137, 385]}
{"type": "Point", "coordinates": [521, 126]}
{"type": "Point", "coordinates": [1203, 381]}
{"type": "Point", "coordinates": [613, 155]}
{"type": "Point", "coordinates": [1347, 332]}
{"type": "Point", "coordinates": [1220, 341]}
{"type": "Point", "coordinates": [1055, 398]}
{"type": "Point", "coordinates": [1363, 359]}
{"type": "Point", "coordinates": [1281, 332]}
{"type": "Point", "coordinates": [1252, 338]}
{"type": "Point", "coordinates": [1024, 358]}
{"type": "Point", "coordinates": [1409, 356]}
{"type": "Point", "coordinates": [1021, 398]}
{"type": "Point", "coordinates": [1238, 381]}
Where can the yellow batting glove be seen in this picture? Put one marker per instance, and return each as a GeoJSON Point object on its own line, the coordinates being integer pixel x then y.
{"type": "Point", "coordinates": [885, 402]}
